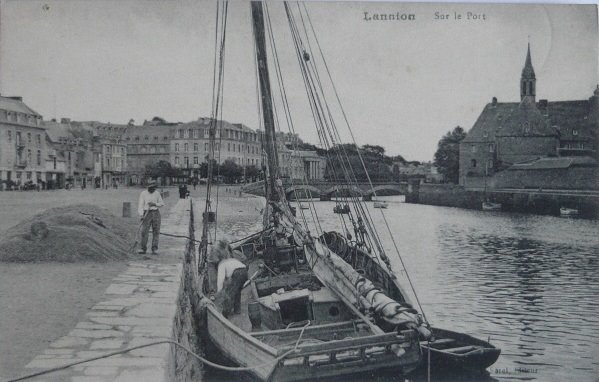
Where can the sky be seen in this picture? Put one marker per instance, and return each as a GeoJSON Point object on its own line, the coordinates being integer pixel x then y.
{"type": "Point", "coordinates": [403, 84]}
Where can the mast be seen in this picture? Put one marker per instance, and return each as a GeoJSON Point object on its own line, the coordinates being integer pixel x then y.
{"type": "Point", "coordinates": [269, 140]}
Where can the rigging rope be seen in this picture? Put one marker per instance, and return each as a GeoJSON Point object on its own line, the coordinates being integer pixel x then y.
{"type": "Point", "coordinates": [186, 349]}
{"type": "Point", "coordinates": [362, 162]}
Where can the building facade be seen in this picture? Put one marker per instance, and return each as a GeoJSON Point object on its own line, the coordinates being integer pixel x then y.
{"type": "Point", "coordinates": [189, 145]}
{"type": "Point", "coordinates": [147, 145]}
{"type": "Point", "coordinates": [110, 155]}
{"type": "Point", "coordinates": [514, 133]}
{"type": "Point", "coordinates": [23, 147]}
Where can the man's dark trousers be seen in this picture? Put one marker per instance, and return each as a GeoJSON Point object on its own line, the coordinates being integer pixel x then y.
{"type": "Point", "coordinates": [152, 219]}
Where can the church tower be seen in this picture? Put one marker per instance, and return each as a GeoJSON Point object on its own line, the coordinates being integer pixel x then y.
{"type": "Point", "coordinates": [528, 80]}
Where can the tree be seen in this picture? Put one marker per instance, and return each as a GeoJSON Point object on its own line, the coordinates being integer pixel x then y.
{"type": "Point", "coordinates": [447, 157]}
{"type": "Point", "coordinates": [230, 171]}
{"type": "Point", "coordinates": [161, 170]}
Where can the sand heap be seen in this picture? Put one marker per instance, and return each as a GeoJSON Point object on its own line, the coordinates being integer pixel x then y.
{"type": "Point", "coordinates": [75, 233]}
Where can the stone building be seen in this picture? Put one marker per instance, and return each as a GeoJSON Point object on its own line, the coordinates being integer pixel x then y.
{"type": "Point", "coordinates": [146, 145]}
{"type": "Point", "coordinates": [71, 144]}
{"type": "Point", "coordinates": [23, 148]}
{"type": "Point", "coordinates": [514, 133]}
{"type": "Point", "coordinates": [110, 154]}
{"type": "Point", "coordinates": [189, 146]}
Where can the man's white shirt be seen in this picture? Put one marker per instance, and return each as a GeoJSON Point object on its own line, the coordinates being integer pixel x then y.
{"type": "Point", "coordinates": [145, 198]}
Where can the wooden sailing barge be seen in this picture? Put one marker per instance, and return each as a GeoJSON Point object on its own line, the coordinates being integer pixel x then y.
{"type": "Point", "coordinates": [315, 306]}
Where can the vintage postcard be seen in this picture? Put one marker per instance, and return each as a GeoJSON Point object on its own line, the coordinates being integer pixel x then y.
{"type": "Point", "coordinates": [297, 191]}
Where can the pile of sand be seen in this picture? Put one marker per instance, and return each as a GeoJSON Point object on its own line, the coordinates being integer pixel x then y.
{"type": "Point", "coordinates": [75, 233]}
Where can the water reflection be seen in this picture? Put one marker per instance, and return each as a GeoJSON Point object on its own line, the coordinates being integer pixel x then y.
{"type": "Point", "coordinates": [529, 283]}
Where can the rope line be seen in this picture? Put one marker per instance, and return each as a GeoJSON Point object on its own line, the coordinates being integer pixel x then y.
{"type": "Point", "coordinates": [198, 357]}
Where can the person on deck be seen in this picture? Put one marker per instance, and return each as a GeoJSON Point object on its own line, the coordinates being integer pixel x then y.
{"type": "Point", "coordinates": [231, 276]}
{"type": "Point", "coordinates": [149, 203]}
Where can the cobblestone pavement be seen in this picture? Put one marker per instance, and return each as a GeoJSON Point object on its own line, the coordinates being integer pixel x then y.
{"type": "Point", "coordinates": [140, 307]}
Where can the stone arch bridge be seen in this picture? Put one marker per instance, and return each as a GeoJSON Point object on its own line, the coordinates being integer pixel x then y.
{"type": "Point", "coordinates": [326, 190]}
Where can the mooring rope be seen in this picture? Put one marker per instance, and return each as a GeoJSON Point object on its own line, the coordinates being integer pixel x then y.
{"type": "Point", "coordinates": [200, 358]}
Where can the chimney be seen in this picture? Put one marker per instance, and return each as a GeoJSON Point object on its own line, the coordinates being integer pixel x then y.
{"type": "Point", "coordinates": [66, 121]}
{"type": "Point", "coordinates": [494, 101]}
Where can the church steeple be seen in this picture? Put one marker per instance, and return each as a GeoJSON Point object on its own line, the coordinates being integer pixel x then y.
{"type": "Point", "coordinates": [528, 80]}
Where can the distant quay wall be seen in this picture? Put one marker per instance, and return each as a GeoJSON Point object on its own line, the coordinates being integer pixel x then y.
{"type": "Point", "coordinates": [535, 201]}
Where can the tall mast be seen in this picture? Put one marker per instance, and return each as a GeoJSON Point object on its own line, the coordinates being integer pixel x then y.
{"type": "Point", "coordinates": [269, 140]}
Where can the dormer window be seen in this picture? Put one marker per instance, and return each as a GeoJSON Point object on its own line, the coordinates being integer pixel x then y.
{"type": "Point", "coordinates": [574, 132]}
{"type": "Point", "coordinates": [485, 134]}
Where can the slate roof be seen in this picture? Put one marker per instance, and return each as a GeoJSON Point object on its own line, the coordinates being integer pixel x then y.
{"type": "Point", "coordinates": [56, 131]}
{"type": "Point", "coordinates": [10, 104]}
{"type": "Point", "coordinates": [555, 163]}
{"type": "Point", "coordinates": [560, 117]}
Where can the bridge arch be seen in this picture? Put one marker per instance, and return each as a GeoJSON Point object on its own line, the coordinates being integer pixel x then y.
{"type": "Point", "coordinates": [344, 190]}
{"type": "Point", "coordinates": [396, 189]}
{"type": "Point", "coordinates": [307, 189]}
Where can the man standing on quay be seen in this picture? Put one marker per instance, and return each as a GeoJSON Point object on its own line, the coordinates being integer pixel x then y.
{"type": "Point", "coordinates": [149, 202]}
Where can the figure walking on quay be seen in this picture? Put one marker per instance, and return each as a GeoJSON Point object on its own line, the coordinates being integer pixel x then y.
{"type": "Point", "coordinates": [149, 203]}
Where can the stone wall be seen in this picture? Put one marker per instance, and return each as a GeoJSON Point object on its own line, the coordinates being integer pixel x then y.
{"type": "Point", "coordinates": [573, 178]}
{"type": "Point", "coordinates": [183, 366]}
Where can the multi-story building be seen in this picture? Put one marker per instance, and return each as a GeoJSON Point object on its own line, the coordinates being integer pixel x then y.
{"type": "Point", "coordinates": [189, 145]}
{"type": "Point", "coordinates": [72, 143]}
{"type": "Point", "coordinates": [147, 145]}
{"type": "Point", "coordinates": [23, 149]}
{"type": "Point", "coordinates": [110, 154]}
{"type": "Point", "coordinates": [527, 134]}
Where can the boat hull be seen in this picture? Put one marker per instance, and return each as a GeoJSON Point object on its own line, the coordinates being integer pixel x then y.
{"type": "Point", "coordinates": [466, 352]}
{"type": "Point", "coordinates": [488, 206]}
{"type": "Point", "coordinates": [347, 357]}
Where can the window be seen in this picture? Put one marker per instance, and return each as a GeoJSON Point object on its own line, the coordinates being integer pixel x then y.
{"type": "Point", "coordinates": [205, 146]}
{"type": "Point", "coordinates": [39, 140]}
{"type": "Point", "coordinates": [189, 133]}
{"type": "Point", "coordinates": [186, 147]}
{"type": "Point", "coordinates": [146, 138]}
{"type": "Point", "coordinates": [196, 134]}
{"type": "Point", "coordinates": [29, 138]}
{"type": "Point", "coordinates": [206, 133]}
{"type": "Point", "coordinates": [473, 163]}
{"type": "Point", "coordinates": [176, 147]}
{"type": "Point", "coordinates": [165, 138]}
{"type": "Point", "coordinates": [574, 132]}
{"type": "Point", "coordinates": [155, 138]}
{"type": "Point", "coordinates": [195, 160]}
{"type": "Point", "coordinates": [18, 138]}
{"type": "Point", "coordinates": [28, 175]}
{"type": "Point", "coordinates": [39, 157]}
{"type": "Point", "coordinates": [228, 147]}
{"type": "Point", "coordinates": [176, 160]}
{"type": "Point", "coordinates": [9, 132]}
{"type": "Point", "coordinates": [473, 148]}
{"type": "Point", "coordinates": [180, 133]}
{"type": "Point", "coordinates": [28, 157]}
{"type": "Point", "coordinates": [491, 148]}
{"type": "Point", "coordinates": [137, 138]}
{"type": "Point", "coordinates": [195, 145]}
{"type": "Point", "coordinates": [490, 163]}
{"type": "Point", "coordinates": [186, 161]}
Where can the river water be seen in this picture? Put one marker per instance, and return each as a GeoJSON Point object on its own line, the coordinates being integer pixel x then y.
{"type": "Point", "coordinates": [530, 283]}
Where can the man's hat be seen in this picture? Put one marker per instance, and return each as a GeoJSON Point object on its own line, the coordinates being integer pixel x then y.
{"type": "Point", "coordinates": [152, 184]}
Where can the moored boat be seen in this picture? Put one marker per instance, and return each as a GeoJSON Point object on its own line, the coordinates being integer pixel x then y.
{"type": "Point", "coordinates": [451, 350]}
{"type": "Point", "coordinates": [298, 318]}
{"type": "Point", "coordinates": [380, 204]}
{"type": "Point", "coordinates": [491, 206]}
{"type": "Point", "coordinates": [568, 212]}
{"type": "Point", "coordinates": [341, 209]}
